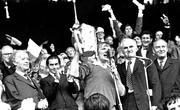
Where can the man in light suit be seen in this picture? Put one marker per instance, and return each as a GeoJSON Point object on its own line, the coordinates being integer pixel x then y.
{"type": "Point", "coordinates": [136, 97]}
{"type": "Point", "coordinates": [168, 69]}
{"type": "Point", "coordinates": [20, 87]}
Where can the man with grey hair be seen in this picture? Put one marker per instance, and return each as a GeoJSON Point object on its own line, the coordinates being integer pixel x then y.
{"type": "Point", "coordinates": [133, 76]}
{"type": "Point", "coordinates": [168, 69]}
{"type": "Point", "coordinates": [20, 87]}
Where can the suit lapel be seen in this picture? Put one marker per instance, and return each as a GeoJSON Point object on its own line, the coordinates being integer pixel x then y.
{"type": "Point", "coordinates": [35, 83]}
{"type": "Point", "coordinates": [157, 65]}
{"type": "Point", "coordinates": [40, 93]}
{"type": "Point", "coordinates": [136, 65]}
{"type": "Point", "coordinates": [135, 68]}
{"type": "Point", "coordinates": [19, 77]}
{"type": "Point", "coordinates": [124, 68]}
{"type": "Point", "coordinates": [167, 63]}
{"type": "Point", "coordinates": [139, 52]}
{"type": "Point", "coordinates": [50, 78]}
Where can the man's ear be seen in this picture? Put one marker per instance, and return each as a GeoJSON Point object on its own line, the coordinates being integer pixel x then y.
{"type": "Point", "coordinates": [151, 40]}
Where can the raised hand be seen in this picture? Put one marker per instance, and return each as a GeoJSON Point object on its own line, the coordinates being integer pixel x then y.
{"type": "Point", "coordinates": [165, 19]}
{"type": "Point", "coordinates": [5, 106]}
{"type": "Point", "coordinates": [139, 5]}
{"type": "Point", "coordinates": [27, 104]}
{"type": "Point", "coordinates": [42, 104]}
{"type": "Point", "coordinates": [106, 7]}
{"type": "Point", "coordinates": [148, 1]}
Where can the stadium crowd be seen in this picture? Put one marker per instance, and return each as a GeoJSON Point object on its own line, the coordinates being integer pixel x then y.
{"type": "Point", "coordinates": [132, 69]}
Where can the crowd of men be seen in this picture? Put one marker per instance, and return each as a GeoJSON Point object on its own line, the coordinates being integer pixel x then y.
{"type": "Point", "coordinates": [129, 70]}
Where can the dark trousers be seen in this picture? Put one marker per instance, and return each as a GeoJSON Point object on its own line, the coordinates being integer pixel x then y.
{"type": "Point", "coordinates": [130, 103]}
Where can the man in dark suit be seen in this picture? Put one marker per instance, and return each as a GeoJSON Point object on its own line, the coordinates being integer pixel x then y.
{"type": "Point", "coordinates": [58, 87]}
{"type": "Point", "coordinates": [20, 87]}
{"type": "Point", "coordinates": [6, 66]}
{"type": "Point", "coordinates": [168, 69]}
{"type": "Point", "coordinates": [133, 76]}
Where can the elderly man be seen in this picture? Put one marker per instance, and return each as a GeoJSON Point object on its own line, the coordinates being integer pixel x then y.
{"type": "Point", "coordinates": [20, 87]}
{"type": "Point", "coordinates": [133, 76]}
{"type": "Point", "coordinates": [168, 69]}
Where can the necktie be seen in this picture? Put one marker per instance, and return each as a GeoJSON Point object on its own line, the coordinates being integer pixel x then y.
{"type": "Point", "coordinates": [145, 48]}
{"type": "Point", "coordinates": [128, 77]}
{"type": "Point", "coordinates": [28, 78]}
{"type": "Point", "coordinates": [161, 64]}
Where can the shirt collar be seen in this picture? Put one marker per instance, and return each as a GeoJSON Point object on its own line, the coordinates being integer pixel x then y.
{"type": "Point", "coordinates": [132, 64]}
{"type": "Point", "coordinates": [52, 75]}
{"type": "Point", "coordinates": [21, 73]}
{"type": "Point", "coordinates": [132, 60]}
{"type": "Point", "coordinates": [164, 60]}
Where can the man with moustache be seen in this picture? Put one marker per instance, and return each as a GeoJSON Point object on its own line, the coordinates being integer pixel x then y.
{"type": "Point", "coordinates": [133, 76]}
{"type": "Point", "coordinates": [168, 69]}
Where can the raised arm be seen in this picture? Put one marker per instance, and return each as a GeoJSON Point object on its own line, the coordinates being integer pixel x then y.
{"type": "Point", "coordinates": [115, 24]}
{"type": "Point", "coordinates": [139, 20]}
{"type": "Point", "coordinates": [167, 27]}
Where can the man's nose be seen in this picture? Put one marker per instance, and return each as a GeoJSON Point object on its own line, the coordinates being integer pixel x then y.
{"type": "Point", "coordinates": [128, 50]}
{"type": "Point", "coordinates": [161, 49]}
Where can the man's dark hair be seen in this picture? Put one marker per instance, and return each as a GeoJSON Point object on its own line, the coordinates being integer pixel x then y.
{"type": "Point", "coordinates": [146, 32]}
{"type": "Point", "coordinates": [52, 57]}
{"type": "Point", "coordinates": [97, 101]}
{"type": "Point", "coordinates": [168, 101]}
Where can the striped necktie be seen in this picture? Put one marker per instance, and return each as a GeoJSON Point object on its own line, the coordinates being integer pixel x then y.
{"type": "Point", "coordinates": [128, 77]}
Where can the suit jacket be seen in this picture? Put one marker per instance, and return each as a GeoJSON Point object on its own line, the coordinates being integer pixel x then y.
{"type": "Point", "coordinates": [150, 54]}
{"type": "Point", "coordinates": [169, 77]}
{"type": "Point", "coordinates": [19, 88]}
{"type": "Point", "coordinates": [139, 84]}
{"type": "Point", "coordinates": [59, 95]}
{"type": "Point", "coordinates": [5, 70]}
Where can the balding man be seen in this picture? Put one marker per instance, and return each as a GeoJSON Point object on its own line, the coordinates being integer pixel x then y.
{"type": "Point", "coordinates": [6, 66]}
{"type": "Point", "coordinates": [168, 69]}
{"type": "Point", "coordinates": [133, 76]}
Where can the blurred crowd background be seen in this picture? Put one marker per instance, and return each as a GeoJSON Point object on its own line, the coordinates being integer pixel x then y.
{"type": "Point", "coordinates": [50, 20]}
